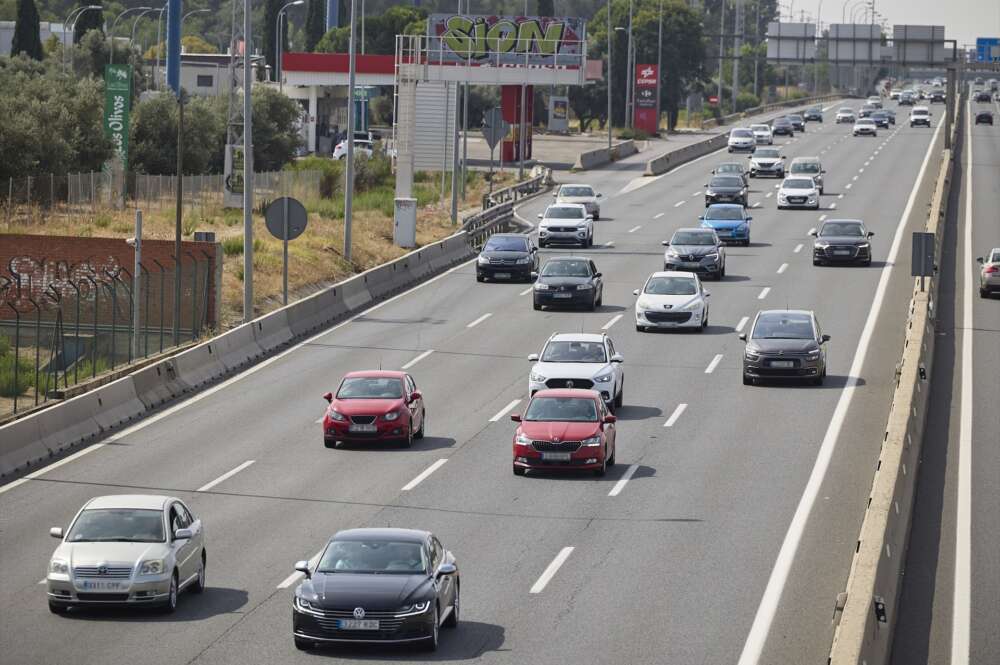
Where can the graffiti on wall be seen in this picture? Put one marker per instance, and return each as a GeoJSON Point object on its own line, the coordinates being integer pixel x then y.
{"type": "Point", "coordinates": [43, 279]}
{"type": "Point", "coordinates": [507, 40]}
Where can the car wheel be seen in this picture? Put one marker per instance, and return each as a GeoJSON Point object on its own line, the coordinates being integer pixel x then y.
{"type": "Point", "coordinates": [868, 262]}
{"type": "Point", "coordinates": [746, 243]}
{"type": "Point", "coordinates": [423, 423]}
{"type": "Point", "coordinates": [480, 278]}
{"type": "Point", "coordinates": [639, 328]}
{"type": "Point", "coordinates": [432, 641]}
{"type": "Point", "coordinates": [620, 397]}
{"type": "Point", "coordinates": [747, 379]}
{"type": "Point", "coordinates": [170, 604]}
{"type": "Point", "coordinates": [983, 293]}
{"type": "Point", "coordinates": [817, 262]}
{"type": "Point", "coordinates": [818, 381]}
{"type": "Point", "coordinates": [519, 470]}
{"type": "Point", "coordinates": [452, 620]}
{"type": "Point", "coordinates": [600, 298]}
{"type": "Point", "coordinates": [593, 304]}
{"type": "Point", "coordinates": [536, 306]}
{"type": "Point", "coordinates": [408, 441]}
{"type": "Point", "coordinates": [603, 469]}
{"type": "Point", "coordinates": [57, 609]}
{"type": "Point", "coordinates": [199, 584]}
{"type": "Point", "coordinates": [704, 322]}
{"type": "Point", "coordinates": [303, 645]}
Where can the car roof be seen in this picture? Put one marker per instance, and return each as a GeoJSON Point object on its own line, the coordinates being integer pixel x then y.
{"type": "Point", "coordinates": [778, 312]}
{"type": "Point", "coordinates": [375, 374]}
{"type": "Point", "coordinates": [406, 535]}
{"type": "Point", "coordinates": [724, 205]}
{"type": "Point", "coordinates": [577, 337]}
{"type": "Point", "coordinates": [578, 206]}
{"type": "Point", "coordinates": [136, 501]}
{"type": "Point", "coordinates": [567, 392]}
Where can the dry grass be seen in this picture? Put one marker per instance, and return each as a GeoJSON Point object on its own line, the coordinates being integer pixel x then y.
{"type": "Point", "coordinates": [315, 258]}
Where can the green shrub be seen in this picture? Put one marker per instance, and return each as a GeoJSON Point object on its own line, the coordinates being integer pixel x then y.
{"type": "Point", "coordinates": [331, 182]}
{"type": "Point", "coordinates": [372, 172]}
{"type": "Point", "coordinates": [631, 133]}
{"type": "Point", "coordinates": [25, 376]}
{"type": "Point", "coordinates": [746, 100]}
{"type": "Point", "coordinates": [233, 246]}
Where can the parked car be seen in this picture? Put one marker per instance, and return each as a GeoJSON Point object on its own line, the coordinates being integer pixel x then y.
{"type": "Point", "coordinates": [671, 300]}
{"type": "Point", "coordinates": [842, 241]}
{"type": "Point", "coordinates": [507, 256]}
{"type": "Point", "coordinates": [568, 281]}
{"type": "Point", "coordinates": [695, 250]}
{"type": "Point", "coordinates": [374, 406]}
{"type": "Point", "coordinates": [361, 147]}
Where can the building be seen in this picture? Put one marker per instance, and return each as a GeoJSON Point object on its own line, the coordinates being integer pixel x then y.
{"type": "Point", "coordinates": [46, 29]}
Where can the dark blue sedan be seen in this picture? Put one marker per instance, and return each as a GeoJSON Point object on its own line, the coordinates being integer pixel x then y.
{"type": "Point", "coordinates": [730, 222]}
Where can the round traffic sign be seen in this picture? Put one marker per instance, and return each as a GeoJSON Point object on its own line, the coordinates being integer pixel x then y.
{"type": "Point", "coordinates": [274, 218]}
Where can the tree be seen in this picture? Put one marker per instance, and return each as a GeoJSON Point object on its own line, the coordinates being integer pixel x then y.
{"type": "Point", "coordinates": [27, 36]}
{"type": "Point", "coordinates": [380, 31]}
{"type": "Point", "coordinates": [154, 136]}
{"type": "Point", "coordinates": [546, 8]}
{"type": "Point", "coordinates": [92, 19]}
{"type": "Point", "coordinates": [276, 134]}
{"type": "Point", "coordinates": [315, 23]}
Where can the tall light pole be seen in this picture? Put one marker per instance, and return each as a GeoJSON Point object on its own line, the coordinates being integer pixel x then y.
{"type": "Point", "coordinates": [756, 47]}
{"type": "Point", "coordinates": [248, 182]}
{"type": "Point", "coordinates": [659, 65]}
{"type": "Point", "coordinates": [159, 42]}
{"type": "Point", "coordinates": [349, 171]}
{"type": "Point", "coordinates": [819, 11]}
{"type": "Point", "coordinates": [114, 24]}
{"type": "Point", "coordinates": [135, 23]}
{"type": "Point", "coordinates": [722, 44]}
{"type": "Point", "coordinates": [69, 27]}
{"type": "Point", "coordinates": [611, 35]}
{"type": "Point", "coordinates": [278, 40]}
{"type": "Point", "coordinates": [629, 72]}
{"type": "Point", "coordinates": [737, 47]}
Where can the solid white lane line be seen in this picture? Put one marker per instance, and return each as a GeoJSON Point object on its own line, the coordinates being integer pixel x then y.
{"type": "Point", "coordinates": [296, 576]}
{"type": "Point", "coordinates": [961, 599]}
{"type": "Point", "coordinates": [553, 568]}
{"type": "Point", "coordinates": [526, 291]}
{"type": "Point", "coordinates": [675, 415]}
{"type": "Point", "coordinates": [658, 215]}
{"type": "Point", "coordinates": [761, 627]}
{"type": "Point", "coordinates": [504, 411]}
{"type": "Point", "coordinates": [798, 248]}
{"type": "Point", "coordinates": [620, 485]}
{"type": "Point", "coordinates": [225, 476]}
{"type": "Point", "coordinates": [635, 228]}
{"type": "Point", "coordinates": [50, 467]}
{"type": "Point", "coordinates": [423, 475]}
{"type": "Point", "coordinates": [418, 359]}
{"type": "Point", "coordinates": [680, 203]}
{"type": "Point", "coordinates": [615, 319]}
{"type": "Point", "coordinates": [763, 293]}
{"type": "Point", "coordinates": [712, 365]}
{"type": "Point", "coordinates": [480, 320]}
{"type": "Point", "coordinates": [743, 322]}
{"type": "Point", "coordinates": [782, 268]}
{"type": "Point", "coordinates": [768, 195]}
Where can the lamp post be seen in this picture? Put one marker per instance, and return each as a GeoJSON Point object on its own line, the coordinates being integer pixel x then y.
{"type": "Point", "coordinates": [610, 36]}
{"type": "Point", "coordinates": [159, 28]}
{"type": "Point", "coordinates": [278, 40]}
{"type": "Point", "coordinates": [349, 171]}
{"type": "Point", "coordinates": [114, 24]}
{"type": "Point", "coordinates": [69, 26]}
{"type": "Point", "coordinates": [135, 24]}
{"type": "Point", "coordinates": [819, 10]}
{"type": "Point", "coordinates": [659, 66]}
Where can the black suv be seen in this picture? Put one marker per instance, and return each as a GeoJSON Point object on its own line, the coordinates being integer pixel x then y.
{"type": "Point", "coordinates": [798, 123]}
{"type": "Point", "coordinates": [937, 97]}
{"type": "Point", "coordinates": [984, 118]}
{"type": "Point", "coordinates": [782, 126]}
{"type": "Point", "coordinates": [983, 96]}
{"type": "Point", "coordinates": [507, 256]}
{"type": "Point", "coordinates": [569, 281]}
{"type": "Point", "coordinates": [815, 114]}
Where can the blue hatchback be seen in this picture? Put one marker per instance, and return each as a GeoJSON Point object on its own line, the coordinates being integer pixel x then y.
{"type": "Point", "coordinates": [730, 222]}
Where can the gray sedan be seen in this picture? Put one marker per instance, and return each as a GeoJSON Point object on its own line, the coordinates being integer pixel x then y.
{"type": "Point", "coordinates": [127, 550]}
{"type": "Point", "coordinates": [989, 275]}
{"type": "Point", "coordinates": [784, 344]}
{"type": "Point", "coordinates": [842, 241]}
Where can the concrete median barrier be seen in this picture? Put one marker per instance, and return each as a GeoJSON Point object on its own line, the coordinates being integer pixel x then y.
{"type": "Point", "coordinates": [671, 160]}
{"type": "Point", "coordinates": [21, 445]}
{"type": "Point", "coordinates": [199, 365]}
{"type": "Point", "coordinates": [237, 347]}
{"type": "Point", "coordinates": [599, 156]}
{"type": "Point", "coordinates": [158, 383]}
{"type": "Point", "coordinates": [114, 403]}
{"type": "Point", "coordinates": [315, 311]}
{"type": "Point", "coordinates": [272, 331]}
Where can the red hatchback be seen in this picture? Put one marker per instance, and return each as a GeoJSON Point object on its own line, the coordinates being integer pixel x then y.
{"type": "Point", "coordinates": [374, 406]}
{"type": "Point", "coordinates": [564, 429]}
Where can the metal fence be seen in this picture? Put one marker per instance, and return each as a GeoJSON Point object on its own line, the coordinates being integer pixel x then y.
{"type": "Point", "coordinates": [83, 326]}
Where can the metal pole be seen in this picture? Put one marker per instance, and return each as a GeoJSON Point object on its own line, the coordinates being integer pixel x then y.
{"type": "Point", "coordinates": [159, 46]}
{"type": "Point", "coordinates": [178, 217]}
{"type": "Point", "coordinates": [279, 41]}
{"type": "Point", "coordinates": [610, 35]}
{"type": "Point", "coordinates": [111, 33]}
{"type": "Point", "coordinates": [284, 252]}
{"type": "Point", "coordinates": [629, 71]}
{"type": "Point", "coordinates": [247, 161]}
{"type": "Point", "coordinates": [521, 141]}
{"type": "Point", "coordinates": [722, 44]}
{"type": "Point", "coordinates": [137, 283]}
{"type": "Point", "coordinates": [135, 24]}
{"type": "Point", "coordinates": [454, 159]}
{"type": "Point", "coordinates": [756, 55]}
{"type": "Point", "coordinates": [737, 44]}
{"type": "Point", "coordinates": [659, 64]}
{"type": "Point", "coordinates": [349, 171]}
{"type": "Point", "coordinates": [816, 60]}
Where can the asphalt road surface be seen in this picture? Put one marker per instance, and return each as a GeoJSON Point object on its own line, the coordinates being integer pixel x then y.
{"type": "Point", "coordinates": [728, 542]}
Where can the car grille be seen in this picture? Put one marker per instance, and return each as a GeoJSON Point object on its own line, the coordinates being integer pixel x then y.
{"type": "Point", "coordinates": [503, 262]}
{"type": "Point", "coordinates": [563, 229]}
{"type": "Point", "coordinates": [106, 597]}
{"type": "Point", "coordinates": [583, 384]}
{"type": "Point", "coordinates": [668, 317]}
{"type": "Point", "coordinates": [551, 447]}
{"type": "Point", "coordinates": [108, 572]}
{"type": "Point", "coordinates": [362, 420]}
{"type": "Point", "coordinates": [796, 199]}
{"type": "Point", "coordinates": [837, 251]}
{"type": "Point", "coordinates": [327, 621]}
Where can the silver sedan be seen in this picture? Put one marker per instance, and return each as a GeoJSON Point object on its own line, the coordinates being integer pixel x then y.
{"type": "Point", "coordinates": [127, 550]}
{"type": "Point", "coordinates": [989, 274]}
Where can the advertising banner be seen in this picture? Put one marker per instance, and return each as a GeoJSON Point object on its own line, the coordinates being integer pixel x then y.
{"type": "Point", "coordinates": [506, 40]}
{"type": "Point", "coordinates": [646, 91]}
{"type": "Point", "coordinates": [558, 114]}
{"type": "Point", "coordinates": [117, 104]}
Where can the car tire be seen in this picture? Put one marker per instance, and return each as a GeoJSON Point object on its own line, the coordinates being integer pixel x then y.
{"type": "Point", "coordinates": [303, 645]}
{"type": "Point", "coordinates": [200, 585]}
{"type": "Point", "coordinates": [722, 273]}
{"type": "Point", "coordinates": [408, 441]}
{"type": "Point", "coordinates": [452, 620]}
{"type": "Point", "coordinates": [423, 423]}
{"type": "Point", "coordinates": [867, 263]}
{"type": "Point", "coordinates": [818, 381]}
{"type": "Point", "coordinates": [519, 470]}
{"type": "Point", "coordinates": [58, 609]}
{"type": "Point", "coordinates": [541, 244]}
{"type": "Point", "coordinates": [536, 306]}
{"type": "Point", "coordinates": [704, 323]}
{"type": "Point", "coordinates": [746, 243]}
{"type": "Point", "coordinates": [639, 328]}
{"type": "Point", "coordinates": [431, 643]}
{"type": "Point", "coordinates": [817, 262]}
{"type": "Point", "coordinates": [170, 604]}
{"type": "Point", "coordinates": [603, 470]}
{"type": "Point", "coordinates": [747, 379]}
{"type": "Point", "coordinates": [593, 304]}
{"type": "Point", "coordinates": [620, 397]}
{"type": "Point", "coordinates": [600, 299]}
{"type": "Point", "coordinates": [480, 278]}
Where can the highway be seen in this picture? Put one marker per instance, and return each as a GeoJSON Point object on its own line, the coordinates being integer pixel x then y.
{"type": "Point", "coordinates": [949, 610]}
{"type": "Point", "coordinates": [723, 535]}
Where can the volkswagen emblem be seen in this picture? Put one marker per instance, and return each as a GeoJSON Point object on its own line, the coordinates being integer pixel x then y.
{"type": "Point", "coordinates": [359, 613]}
{"type": "Point", "coordinates": [569, 384]}
{"type": "Point", "coordinates": [102, 570]}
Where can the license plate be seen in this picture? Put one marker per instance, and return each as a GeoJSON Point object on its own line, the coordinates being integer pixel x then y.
{"type": "Point", "coordinates": [842, 252]}
{"type": "Point", "coordinates": [556, 457]}
{"type": "Point", "coordinates": [502, 275]}
{"type": "Point", "coordinates": [357, 624]}
{"type": "Point", "coordinates": [562, 295]}
{"type": "Point", "coordinates": [101, 585]}
{"type": "Point", "coordinates": [783, 364]}
{"type": "Point", "coordinates": [363, 428]}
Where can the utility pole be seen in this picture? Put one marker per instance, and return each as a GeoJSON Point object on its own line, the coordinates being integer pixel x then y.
{"type": "Point", "coordinates": [247, 160]}
{"type": "Point", "coordinates": [737, 45]}
{"type": "Point", "coordinates": [349, 172]}
{"type": "Point", "coordinates": [611, 35]}
{"type": "Point", "coordinates": [629, 72]}
{"type": "Point", "coordinates": [659, 65]}
{"type": "Point", "coordinates": [756, 55]}
{"type": "Point", "coordinates": [722, 44]}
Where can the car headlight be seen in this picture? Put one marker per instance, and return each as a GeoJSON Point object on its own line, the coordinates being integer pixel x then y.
{"type": "Point", "coordinates": [709, 192]}
{"type": "Point", "coordinates": [537, 378]}
{"type": "Point", "coordinates": [303, 604]}
{"type": "Point", "coordinates": [671, 253]}
{"type": "Point", "coordinates": [523, 440]}
{"type": "Point", "coordinates": [152, 567]}
{"type": "Point", "coordinates": [821, 244]}
{"type": "Point", "coordinates": [742, 228]}
{"type": "Point", "coordinates": [692, 306]}
{"type": "Point", "coordinates": [751, 354]}
{"type": "Point", "coordinates": [541, 286]}
{"type": "Point", "coordinates": [59, 566]}
{"type": "Point", "coordinates": [865, 245]}
{"type": "Point", "coordinates": [604, 378]}
{"type": "Point", "coordinates": [714, 256]}
{"type": "Point", "coordinates": [522, 261]}
{"type": "Point", "coordinates": [415, 608]}
{"type": "Point", "coordinates": [584, 287]}
{"type": "Point", "coordinates": [483, 260]}
{"type": "Point", "coordinates": [813, 355]}
{"type": "Point", "coordinates": [392, 415]}
{"type": "Point", "coordinates": [643, 304]}
{"type": "Point", "coordinates": [335, 415]}
{"type": "Point", "coordinates": [592, 441]}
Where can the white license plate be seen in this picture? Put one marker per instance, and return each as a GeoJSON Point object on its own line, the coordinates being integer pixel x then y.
{"type": "Point", "coordinates": [102, 585]}
{"type": "Point", "coordinates": [783, 364]}
{"type": "Point", "coordinates": [502, 275]}
{"type": "Point", "coordinates": [842, 252]}
{"type": "Point", "coordinates": [357, 624]}
{"type": "Point", "coordinates": [363, 428]}
{"type": "Point", "coordinates": [556, 457]}
{"type": "Point", "coordinates": [562, 295]}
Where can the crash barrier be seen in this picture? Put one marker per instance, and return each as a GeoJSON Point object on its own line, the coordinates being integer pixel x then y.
{"type": "Point", "coordinates": [530, 187]}
{"type": "Point", "coordinates": [757, 110]}
{"type": "Point", "coordinates": [39, 436]}
{"type": "Point", "coordinates": [868, 614]}
{"type": "Point", "coordinates": [600, 156]}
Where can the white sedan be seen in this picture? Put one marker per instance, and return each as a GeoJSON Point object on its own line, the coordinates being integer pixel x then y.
{"type": "Point", "coordinates": [798, 192]}
{"type": "Point", "coordinates": [671, 299]}
{"type": "Point", "coordinates": [741, 139]}
{"type": "Point", "coordinates": [582, 194]}
{"type": "Point", "coordinates": [845, 115]}
{"type": "Point", "coordinates": [865, 126]}
{"type": "Point", "coordinates": [762, 134]}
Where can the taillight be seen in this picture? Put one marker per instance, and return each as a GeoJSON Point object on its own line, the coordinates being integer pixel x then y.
{"type": "Point", "coordinates": [991, 269]}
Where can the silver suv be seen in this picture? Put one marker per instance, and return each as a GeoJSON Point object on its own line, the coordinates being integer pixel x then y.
{"type": "Point", "coordinates": [579, 360]}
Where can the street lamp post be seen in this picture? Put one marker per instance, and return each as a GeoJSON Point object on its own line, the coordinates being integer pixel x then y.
{"type": "Point", "coordinates": [349, 171]}
{"type": "Point", "coordinates": [819, 10]}
{"type": "Point", "coordinates": [629, 72]}
{"type": "Point", "coordinates": [278, 40]}
{"type": "Point", "coordinates": [659, 65]}
{"type": "Point", "coordinates": [69, 26]}
{"type": "Point", "coordinates": [159, 32]}
{"type": "Point", "coordinates": [114, 24]}
{"type": "Point", "coordinates": [135, 24]}
{"type": "Point", "coordinates": [610, 36]}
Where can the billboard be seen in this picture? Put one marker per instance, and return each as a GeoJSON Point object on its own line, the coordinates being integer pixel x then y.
{"type": "Point", "coordinates": [791, 42]}
{"type": "Point", "coordinates": [117, 104]}
{"type": "Point", "coordinates": [646, 88]}
{"type": "Point", "coordinates": [506, 40]}
{"type": "Point", "coordinates": [919, 44]}
{"type": "Point", "coordinates": [558, 114]}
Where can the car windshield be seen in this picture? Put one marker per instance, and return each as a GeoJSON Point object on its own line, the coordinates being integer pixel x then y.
{"type": "Point", "coordinates": [780, 121]}
{"type": "Point", "coordinates": [847, 111]}
{"type": "Point", "coordinates": [842, 229]}
{"type": "Point", "coordinates": [866, 121]}
{"type": "Point", "coordinates": [506, 244]}
{"type": "Point", "coordinates": [566, 268]}
{"type": "Point", "coordinates": [795, 118]}
{"type": "Point", "coordinates": [920, 112]}
{"type": "Point", "coordinates": [574, 352]}
{"type": "Point", "coordinates": [671, 286]}
{"type": "Point", "coordinates": [719, 212]}
{"type": "Point", "coordinates": [805, 167]}
{"type": "Point", "coordinates": [798, 183]}
{"type": "Point", "coordinates": [359, 387]}
{"type": "Point", "coordinates": [118, 525]}
{"type": "Point", "coordinates": [562, 409]}
{"type": "Point", "coordinates": [760, 128]}
{"type": "Point", "coordinates": [373, 557]}
{"type": "Point", "coordinates": [783, 326]}
{"type": "Point", "coordinates": [564, 212]}
{"type": "Point", "coordinates": [727, 181]}
{"type": "Point", "coordinates": [766, 153]}
{"type": "Point", "coordinates": [576, 191]}
{"type": "Point", "coordinates": [729, 167]}
{"type": "Point", "coordinates": [692, 238]}
{"type": "Point", "coordinates": [742, 133]}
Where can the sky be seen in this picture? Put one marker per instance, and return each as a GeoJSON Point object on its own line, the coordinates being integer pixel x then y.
{"type": "Point", "coordinates": [964, 20]}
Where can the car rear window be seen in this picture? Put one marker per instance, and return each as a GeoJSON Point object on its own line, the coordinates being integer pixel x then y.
{"type": "Point", "coordinates": [562, 409]}
{"type": "Point", "coordinates": [358, 387]}
{"type": "Point", "coordinates": [564, 212]}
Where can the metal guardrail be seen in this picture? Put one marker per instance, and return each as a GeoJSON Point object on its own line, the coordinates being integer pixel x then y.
{"type": "Point", "coordinates": [498, 208]}
{"type": "Point", "coordinates": [802, 101]}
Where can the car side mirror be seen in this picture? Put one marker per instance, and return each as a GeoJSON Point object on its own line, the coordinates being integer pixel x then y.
{"type": "Point", "coordinates": [825, 338]}
{"type": "Point", "coordinates": [555, 194]}
{"type": "Point", "coordinates": [328, 397]}
{"type": "Point", "coordinates": [706, 184]}
{"type": "Point", "coordinates": [590, 217]}
{"type": "Point", "coordinates": [183, 534]}
{"type": "Point", "coordinates": [636, 292]}
{"type": "Point", "coordinates": [822, 170]}
{"type": "Point", "coordinates": [515, 417]}
{"type": "Point", "coordinates": [871, 233]}
{"type": "Point", "coordinates": [415, 395]}
{"type": "Point", "coordinates": [784, 157]}
{"type": "Point", "coordinates": [743, 337]}
{"type": "Point", "coordinates": [56, 532]}
{"type": "Point", "coordinates": [539, 215]}
{"type": "Point", "coordinates": [533, 357]}
{"type": "Point", "coordinates": [749, 219]}
{"type": "Point", "coordinates": [665, 243]}
{"type": "Point", "coordinates": [533, 250]}
{"type": "Point", "coordinates": [701, 216]}
{"type": "Point", "coordinates": [813, 233]}
{"type": "Point", "coordinates": [446, 568]}
{"type": "Point", "coordinates": [600, 196]}
{"type": "Point", "coordinates": [597, 274]}
{"type": "Point", "coordinates": [979, 259]}
{"type": "Point", "coordinates": [303, 567]}
{"type": "Point", "coordinates": [610, 420]}
{"type": "Point", "coordinates": [708, 294]}
{"type": "Point", "coordinates": [617, 358]}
